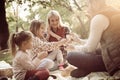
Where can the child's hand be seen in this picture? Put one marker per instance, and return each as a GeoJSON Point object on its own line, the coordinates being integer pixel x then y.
{"type": "Point", "coordinates": [69, 37]}
{"type": "Point", "coordinates": [59, 38]}
{"type": "Point", "coordinates": [69, 48]}
{"type": "Point", "coordinates": [42, 55]}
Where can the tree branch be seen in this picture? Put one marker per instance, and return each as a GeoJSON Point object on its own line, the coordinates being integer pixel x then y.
{"type": "Point", "coordinates": [76, 3]}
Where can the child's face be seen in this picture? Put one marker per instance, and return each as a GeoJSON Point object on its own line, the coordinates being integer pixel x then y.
{"type": "Point", "coordinates": [42, 29]}
{"type": "Point", "coordinates": [27, 44]}
{"type": "Point", "coordinates": [54, 21]}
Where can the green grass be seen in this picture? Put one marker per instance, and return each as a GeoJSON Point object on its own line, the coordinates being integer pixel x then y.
{"type": "Point", "coordinates": [6, 56]}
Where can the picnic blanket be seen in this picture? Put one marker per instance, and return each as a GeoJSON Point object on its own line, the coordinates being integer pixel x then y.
{"type": "Point", "coordinates": [5, 69]}
{"type": "Point", "coordinates": [91, 76]}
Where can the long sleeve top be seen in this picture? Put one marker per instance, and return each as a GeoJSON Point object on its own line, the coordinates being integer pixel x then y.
{"type": "Point", "coordinates": [99, 23]}
{"type": "Point", "coordinates": [22, 62]}
{"type": "Point", "coordinates": [43, 45]}
{"type": "Point", "coordinates": [40, 46]}
{"type": "Point", "coordinates": [25, 61]}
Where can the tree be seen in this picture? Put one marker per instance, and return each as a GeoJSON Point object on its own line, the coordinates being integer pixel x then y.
{"type": "Point", "coordinates": [4, 31]}
{"type": "Point", "coordinates": [72, 12]}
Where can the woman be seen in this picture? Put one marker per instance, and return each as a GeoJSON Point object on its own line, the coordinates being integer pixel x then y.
{"type": "Point", "coordinates": [104, 29]}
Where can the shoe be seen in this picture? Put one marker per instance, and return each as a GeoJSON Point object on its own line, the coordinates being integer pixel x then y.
{"type": "Point", "coordinates": [65, 65]}
{"type": "Point", "coordinates": [61, 67]}
{"type": "Point", "coordinates": [77, 73]}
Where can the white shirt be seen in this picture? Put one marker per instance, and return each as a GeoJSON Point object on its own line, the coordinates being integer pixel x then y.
{"type": "Point", "coordinates": [21, 64]}
{"type": "Point", "coordinates": [99, 23]}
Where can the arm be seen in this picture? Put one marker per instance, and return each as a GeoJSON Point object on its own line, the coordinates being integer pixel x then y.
{"type": "Point", "coordinates": [39, 56]}
{"type": "Point", "coordinates": [75, 38]}
{"type": "Point", "coordinates": [49, 46]}
{"type": "Point", "coordinates": [25, 61]}
{"type": "Point", "coordinates": [53, 34]}
{"type": "Point", "coordinates": [98, 24]}
{"type": "Point", "coordinates": [39, 45]}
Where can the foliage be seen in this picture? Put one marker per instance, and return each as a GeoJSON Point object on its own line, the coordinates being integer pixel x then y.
{"type": "Point", "coordinates": [6, 56]}
{"type": "Point", "coordinates": [68, 9]}
{"type": "Point", "coordinates": [72, 12]}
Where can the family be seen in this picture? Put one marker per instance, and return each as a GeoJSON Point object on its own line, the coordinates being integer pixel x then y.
{"type": "Point", "coordinates": [36, 53]}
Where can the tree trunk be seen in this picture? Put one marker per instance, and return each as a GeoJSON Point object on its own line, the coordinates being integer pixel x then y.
{"type": "Point", "coordinates": [4, 31]}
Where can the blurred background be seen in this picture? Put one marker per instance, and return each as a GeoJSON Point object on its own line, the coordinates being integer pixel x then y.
{"type": "Point", "coordinates": [16, 15]}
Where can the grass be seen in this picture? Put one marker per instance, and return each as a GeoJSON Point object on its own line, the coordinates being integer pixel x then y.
{"type": "Point", "coordinates": [5, 55]}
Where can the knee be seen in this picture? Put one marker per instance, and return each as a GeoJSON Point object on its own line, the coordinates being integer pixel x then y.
{"type": "Point", "coordinates": [42, 74]}
{"type": "Point", "coordinates": [69, 57]}
{"type": "Point", "coordinates": [50, 63]}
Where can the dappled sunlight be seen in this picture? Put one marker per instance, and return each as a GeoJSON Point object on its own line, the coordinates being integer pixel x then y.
{"type": "Point", "coordinates": [20, 11]}
{"type": "Point", "coordinates": [115, 3]}
{"type": "Point", "coordinates": [74, 17]}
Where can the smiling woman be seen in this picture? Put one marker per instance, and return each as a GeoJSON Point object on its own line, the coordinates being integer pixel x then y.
{"type": "Point", "coordinates": [104, 20]}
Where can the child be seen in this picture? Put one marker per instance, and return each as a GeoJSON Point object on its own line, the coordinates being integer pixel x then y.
{"type": "Point", "coordinates": [37, 28]}
{"type": "Point", "coordinates": [56, 29]}
{"type": "Point", "coordinates": [55, 26]}
{"type": "Point", "coordinates": [23, 66]}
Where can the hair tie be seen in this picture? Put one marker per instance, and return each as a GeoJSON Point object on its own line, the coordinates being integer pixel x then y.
{"type": "Point", "coordinates": [16, 35]}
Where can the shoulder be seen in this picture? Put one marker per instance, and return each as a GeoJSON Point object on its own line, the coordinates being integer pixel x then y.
{"type": "Point", "coordinates": [100, 20]}
{"type": "Point", "coordinates": [100, 17]}
{"type": "Point", "coordinates": [19, 55]}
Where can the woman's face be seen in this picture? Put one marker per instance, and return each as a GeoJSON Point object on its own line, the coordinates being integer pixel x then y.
{"type": "Point", "coordinates": [54, 21]}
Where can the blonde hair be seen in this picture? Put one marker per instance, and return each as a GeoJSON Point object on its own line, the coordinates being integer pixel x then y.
{"type": "Point", "coordinates": [35, 26]}
{"type": "Point", "coordinates": [17, 39]}
{"type": "Point", "coordinates": [55, 13]}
